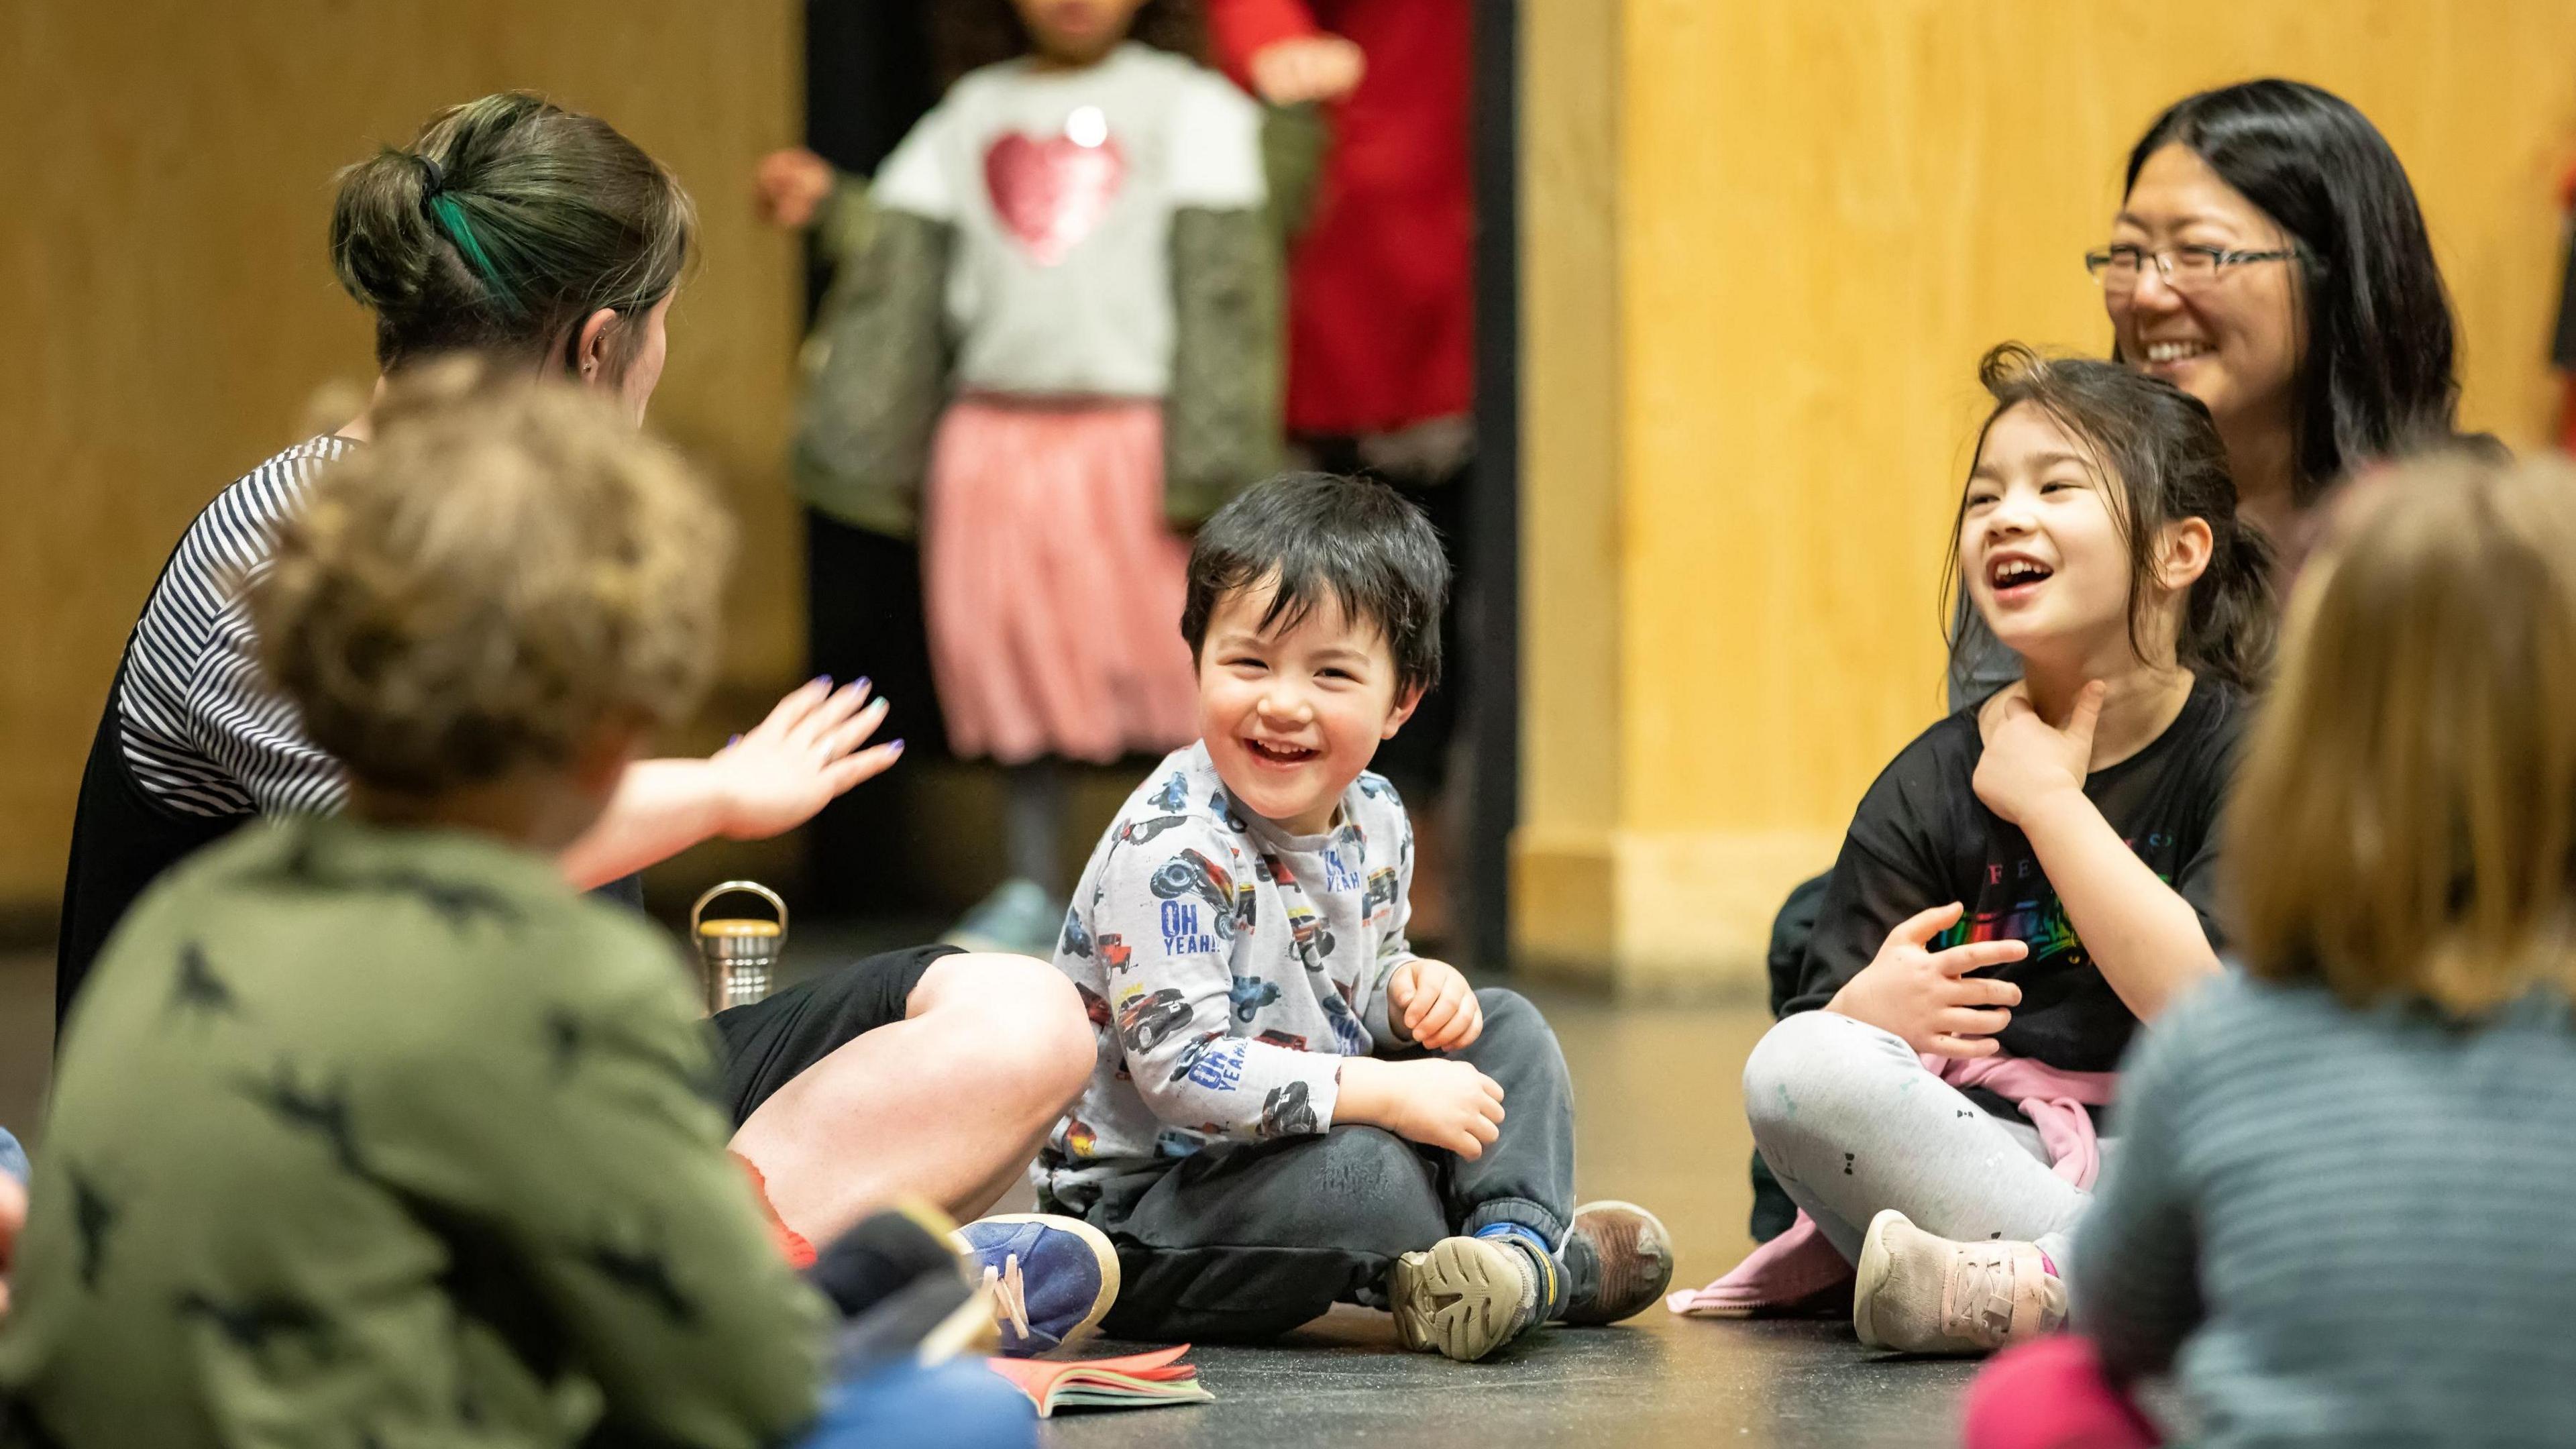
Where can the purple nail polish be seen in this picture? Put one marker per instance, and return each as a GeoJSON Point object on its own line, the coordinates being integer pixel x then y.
{"type": "Point", "coordinates": [824, 680]}
{"type": "Point", "coordinates": [862, 682]}
{"type": "Point", "coordinates": [729, 744]}
{"type": "Point", "coordinates": [896, 747]}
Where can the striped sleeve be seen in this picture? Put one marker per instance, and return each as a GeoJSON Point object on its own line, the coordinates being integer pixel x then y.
{"type": "Point", "coordinates": [252, 732]}
{"type": "Point", "coordinates": [200, 729]}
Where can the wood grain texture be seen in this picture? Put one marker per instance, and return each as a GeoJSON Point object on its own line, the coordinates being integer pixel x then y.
{"type": "Point", "coordinates": [1570, 405]}
{"type": "Point", "coordinates": [169, 313]}
{"type": "Point", "coordinates": [1822, 215]}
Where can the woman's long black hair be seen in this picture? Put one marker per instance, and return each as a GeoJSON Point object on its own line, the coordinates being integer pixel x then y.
{"type": "Point", "coordinates": [2378, 373]}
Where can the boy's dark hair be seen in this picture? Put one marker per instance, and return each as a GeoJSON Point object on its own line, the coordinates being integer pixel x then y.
{"type": "Point", "coordinates": [1320, 536]}
{"type": "Point", "coordinates": [2160, 461]}
{"type": "Point", "coordinates": [967, 35]}
{"type": "Point", "coordinates": [2377, 379]}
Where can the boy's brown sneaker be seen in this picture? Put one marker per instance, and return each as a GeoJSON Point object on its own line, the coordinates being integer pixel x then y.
{"type": "Point", "coordinates": [1921, 1293]}
{"type": "Point", "coordinates": [1618, 1260]}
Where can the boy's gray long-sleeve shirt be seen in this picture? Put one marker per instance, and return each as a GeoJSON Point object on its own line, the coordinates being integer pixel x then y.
{"type": "Point", "coordinates": [2342, 1227]}
{"type": "Point", "coordinates": [1228, 967]}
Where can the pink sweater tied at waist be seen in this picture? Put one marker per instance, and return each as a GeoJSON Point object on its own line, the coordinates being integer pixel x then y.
{"type": "Point", "coordinates": [1801, 1262]}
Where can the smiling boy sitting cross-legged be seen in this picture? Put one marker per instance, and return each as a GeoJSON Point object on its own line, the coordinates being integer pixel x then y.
{"type": "Point", "coordinates": [1292, 1109]}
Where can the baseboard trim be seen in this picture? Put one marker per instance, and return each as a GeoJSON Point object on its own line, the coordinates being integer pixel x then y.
{"type": "Point", "coordinates": [1656, 914]}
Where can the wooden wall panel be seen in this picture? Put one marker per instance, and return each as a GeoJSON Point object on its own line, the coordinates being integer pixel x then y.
{"type": "Point", "coordinates": [167, 310]}
{"type": "Point", "coordinates": [1570, 408]}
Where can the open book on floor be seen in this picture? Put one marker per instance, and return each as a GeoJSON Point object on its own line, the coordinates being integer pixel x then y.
{"type": "Point", "coordinates": [1138, 1381]}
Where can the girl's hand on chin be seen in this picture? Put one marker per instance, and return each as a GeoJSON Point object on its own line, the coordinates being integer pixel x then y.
{"type": "Point", "coordinates": [2027, 759]}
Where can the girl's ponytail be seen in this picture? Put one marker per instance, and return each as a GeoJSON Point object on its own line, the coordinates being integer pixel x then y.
{"type": "Point", "coordinates": [2233, 620]}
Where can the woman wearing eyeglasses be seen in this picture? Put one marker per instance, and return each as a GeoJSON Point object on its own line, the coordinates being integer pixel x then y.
{"type": "Point", "coordinates": [2269, 259]}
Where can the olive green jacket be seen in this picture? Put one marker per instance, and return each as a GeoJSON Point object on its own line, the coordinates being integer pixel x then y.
{"type": "Point", "coordinates": [878, 360]}
{"type": "Point", "coordinates": [371, 1137]}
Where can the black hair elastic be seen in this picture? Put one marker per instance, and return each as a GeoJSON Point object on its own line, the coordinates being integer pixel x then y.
{"type": "Point", "coordinates": [435, 181]}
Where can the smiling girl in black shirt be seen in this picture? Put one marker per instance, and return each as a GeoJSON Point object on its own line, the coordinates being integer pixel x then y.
{"type": "Point", "coordinates": [2027, 881]}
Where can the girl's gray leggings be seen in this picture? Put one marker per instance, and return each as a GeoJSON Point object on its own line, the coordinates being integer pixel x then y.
{"type": "Point", "coordinates": [1851, 1123]}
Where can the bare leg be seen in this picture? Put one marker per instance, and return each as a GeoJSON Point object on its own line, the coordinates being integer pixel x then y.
{"type": "Point", "coordinates": [948, 1104]}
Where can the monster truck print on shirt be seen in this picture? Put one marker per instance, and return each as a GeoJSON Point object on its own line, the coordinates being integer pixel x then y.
{"type": "Point", "coordinates": [1147, 1020]}
{"type": "Point", "coordinates": [1287, 1112]}
{"type": "Point", "coordinates": [1250, 994]}
{"type": "Point", "coordinates": [1379, 902]}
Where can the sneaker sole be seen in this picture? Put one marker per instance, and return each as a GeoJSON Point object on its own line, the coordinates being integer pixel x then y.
{"type": "Point", "coordinates": [1104, 1251]}
{"type": "Point", "coordinates": [1869, 1275]}
{"type": "Point", "coordinates": [1458, 1299]}
{"type": "Point", "coordinates": [1643, 1250]}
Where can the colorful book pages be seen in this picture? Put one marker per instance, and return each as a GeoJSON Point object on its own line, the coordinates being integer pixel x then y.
{"type": "Point", "coordinates": [1138, 1381]}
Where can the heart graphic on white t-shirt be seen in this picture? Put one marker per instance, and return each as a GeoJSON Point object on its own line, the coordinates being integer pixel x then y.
{"type": "Point", "coordinates": [1050, 193]}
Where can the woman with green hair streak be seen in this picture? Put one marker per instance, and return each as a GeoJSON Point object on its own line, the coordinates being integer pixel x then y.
{"type": "Point", "coordinates": [521, 231]}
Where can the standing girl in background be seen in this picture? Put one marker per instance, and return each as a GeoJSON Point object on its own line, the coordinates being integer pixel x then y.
{"type": "Point", "coordinates": [1061, 344]}
{"type": "Point", "coordinates": [2344, 1176]}
{"type": "Point", "coordinates": [2062, 830]}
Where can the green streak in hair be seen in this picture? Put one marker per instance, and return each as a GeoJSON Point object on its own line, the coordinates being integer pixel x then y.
{"type": "Point", "coordinates": [452, 217]}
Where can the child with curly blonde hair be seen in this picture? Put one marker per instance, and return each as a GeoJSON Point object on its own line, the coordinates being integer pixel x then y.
{"type": "Point", "coordinates": [368, 1128]}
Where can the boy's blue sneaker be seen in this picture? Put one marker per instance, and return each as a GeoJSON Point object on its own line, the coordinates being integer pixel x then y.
{"type": "Point", "coordinates": [1052, 1278]}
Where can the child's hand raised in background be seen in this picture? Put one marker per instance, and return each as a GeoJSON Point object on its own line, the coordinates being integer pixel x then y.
{"type": "Point", "coordinates": [2027, 759]}
{"type": "Point", "coordinates": [1307, 68]}
{"type": "Point", "coordinates": [790, 185]}
{"type": "Point", "coordinates": [1436, 1101]}
{"type": "Point", "coordinates": [1431, 1005]}
{"type": "Point", "coordinates": [1926, 996]}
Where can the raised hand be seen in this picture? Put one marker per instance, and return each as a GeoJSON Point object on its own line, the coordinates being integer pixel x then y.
{"type": "Point", "coordinates": [2027, 759]}
{"type": "Point", "coordinates": [1307, 68]}
{"type": "Point", "coordinates": [800, 759]}
{"type": "Point", "coordinates": [1433, 1007]}
{"type": "Point", "coordinates": [789, 186]}
{"type": "Point", "coordinates": [1926, 996]}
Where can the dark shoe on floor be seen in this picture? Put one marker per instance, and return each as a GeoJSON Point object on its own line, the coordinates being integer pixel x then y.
{"type": "Point", "coordinates": [1052, 1278]}
{"type": "Point", "coordinates": [900, 1290]}
{"type": "Point", "coordinates": [1620, 1260]}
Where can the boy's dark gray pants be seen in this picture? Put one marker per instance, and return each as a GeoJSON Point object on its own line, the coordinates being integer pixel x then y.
{"type": "Point", "coordinates": [1250, 1241]}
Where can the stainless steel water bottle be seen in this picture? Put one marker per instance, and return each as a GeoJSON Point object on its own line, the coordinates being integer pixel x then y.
{"type": "Point", "coordinates": [738, 955]}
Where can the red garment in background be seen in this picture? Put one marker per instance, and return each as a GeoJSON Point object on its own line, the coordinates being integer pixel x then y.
{"type": "Point", "coordinates": [1381, 306]}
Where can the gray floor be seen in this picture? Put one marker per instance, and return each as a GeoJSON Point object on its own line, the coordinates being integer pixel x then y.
{"type": "Point", "coordinates": [1660, 1124]}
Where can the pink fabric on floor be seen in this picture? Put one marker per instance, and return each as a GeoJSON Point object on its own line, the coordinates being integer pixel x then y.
{"type": "Point", "coordinates": [1051, 583]}
{"type": "Point", "coordinates": [2051, 1393]}
{"type": "Point", "coordinates": [1801, 1262]}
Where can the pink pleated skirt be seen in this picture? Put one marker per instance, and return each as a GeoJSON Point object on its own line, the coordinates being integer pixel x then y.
{"type": "Point", "coordinates": [1051, 583]}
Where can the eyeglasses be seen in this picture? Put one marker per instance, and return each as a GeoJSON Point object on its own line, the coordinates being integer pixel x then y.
{"type": "Point", "coordinates": [2185, 269]}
